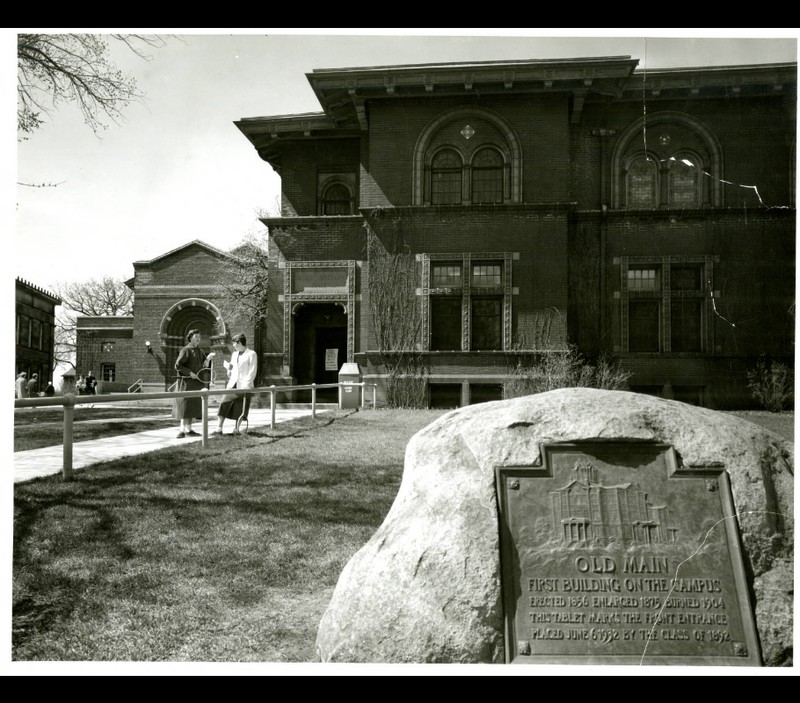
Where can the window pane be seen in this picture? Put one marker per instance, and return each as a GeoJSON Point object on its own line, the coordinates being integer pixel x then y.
{"type": "Point", "coordinates": [445, 395]}
{"type": "Point", "coordinates": [337, 200]}
{"type": "Point", "coordinates": [643, 326]}
{"type": "Point", "coordinates": [644, 279]}
{"type": "Point", "coordinates": [108, 372]}
{"type": "Point", "coordinates": [446, 178]}
{"type": "Point", "coordinates": [685, 277]}
{"type": "Point", "coordinates": [487, 275]}
{"type": "Point", "coordinates": [641, 183]}
{"type": "Point", "coordinates": [683, 184]}
{"type": "Point", "coordinates": [446, 276]}
{"type": "Point", "coordinates": [24, 330]}
{"type": "Point", "coordinates": [445, 323]}
{"type": "Point", "coordinates": [487, 177]}
{"type": "Point", "coordinates": [686, 327]}
{"type": "Point", "coordinates": [36, 334]}
{"type": "Point", "coordinates": [487, 323]}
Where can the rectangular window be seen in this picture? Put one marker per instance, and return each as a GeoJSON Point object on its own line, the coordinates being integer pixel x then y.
{"type": "Point", "coordinates": [487, 275]}
{"type": "Point", "coordinates": [445, 323]}
{"type": "Point", "coordinates": [24, 331]}
{"type": "Point", "coordinates": [487, 323]}
{"type": "Point", "coordinates": [674, 293]}
{"type": "Point", "coordinates": [36, 334]}
{"type": "Point", "coordinates": [685, 277]}
{"type": "Point", "coordinates": [644, 329]}
{"type": "Point", "coordinates": [108, 372]}
{"type": "Point", "coordinates": [446, 276]}
{"type": "Point", "coordinates": [444, 395]}
{"type": "Point", "coordinates": [686, 316]}
{"type": "Point", "coordinates": [644, 278]}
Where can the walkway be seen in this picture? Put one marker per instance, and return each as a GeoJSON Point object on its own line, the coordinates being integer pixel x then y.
{"type": "Point", "coordinates": [48, 461]}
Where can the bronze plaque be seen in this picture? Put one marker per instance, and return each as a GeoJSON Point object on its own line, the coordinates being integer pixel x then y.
{"type": "Point", "coordinates": [612, 554]}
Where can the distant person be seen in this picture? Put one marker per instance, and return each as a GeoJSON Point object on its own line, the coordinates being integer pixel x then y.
{"type": "Point", "coordinates": [21, 385]}
{"type": "Point", "coordinates": [81, 385]}
{"type": "Point", "coordinates": [91, 382]}
{"type": "Point", "coordinates": [242, 369]}
{"type": "Point", "coordinates": [33, 386]}
{"type": "Point", "coordinates": [49, 390]}
{"type": "Point", "coordinates": [191, 359]}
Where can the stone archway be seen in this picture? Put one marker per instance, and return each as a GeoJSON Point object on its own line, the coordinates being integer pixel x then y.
{"type": "Point", "coordinates": [186, 315]}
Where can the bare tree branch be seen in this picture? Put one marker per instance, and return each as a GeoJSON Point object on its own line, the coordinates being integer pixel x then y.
{"type": "Point", "coordinates": [56, 68]}
{"type": "Point", "coordinates": [244, 280]}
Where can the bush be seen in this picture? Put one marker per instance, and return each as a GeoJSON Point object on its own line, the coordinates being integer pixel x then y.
{"type": "Point", "coordinates": [772, 384]}
{"type": "Point", "coordinates": [563, 369]}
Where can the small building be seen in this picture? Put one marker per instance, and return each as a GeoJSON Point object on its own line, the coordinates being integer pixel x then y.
{"type": "Point", "coordinates": [175, 292]}
{"type": "Point", "coordinates": [35, 330]}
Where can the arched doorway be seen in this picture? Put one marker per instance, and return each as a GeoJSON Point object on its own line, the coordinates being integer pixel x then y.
{"type": "Point", "coordinates": [176, 325]}
{"type": "Point", "coordinates": [320, 346]}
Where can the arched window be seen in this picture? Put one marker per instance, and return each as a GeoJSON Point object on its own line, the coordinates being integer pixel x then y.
{"type": "Point", "coordinates": [446, 177]}
{"type": "Point", "coordinates": [675, 163]}
{"type": "Point", "coordinates": [467, 155]}
{"type": "Point", "coordinates": [685, 187]}
{"type": "Point", "coordinates": [487, 176]}
{"type": "Point", "coordinates": [641, 182]}
{"type": "Point", "coordinates": [336, 200]}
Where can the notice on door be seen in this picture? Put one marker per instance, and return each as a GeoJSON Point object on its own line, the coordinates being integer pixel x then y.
{"type": "Point", "coordinates": [331, 359]}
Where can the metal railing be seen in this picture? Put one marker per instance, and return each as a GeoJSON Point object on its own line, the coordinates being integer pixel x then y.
{"type": "Point", "coordinates": [136, 387]}
{"type": "Point", "coordinates": [70, 400]}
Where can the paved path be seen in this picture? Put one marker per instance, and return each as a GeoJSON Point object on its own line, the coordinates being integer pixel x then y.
{"type": "Point", "coordinates": [47, 461]}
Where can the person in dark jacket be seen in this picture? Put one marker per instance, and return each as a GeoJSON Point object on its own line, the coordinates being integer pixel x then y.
{"type": "Point", "coordinates": [191, 359]}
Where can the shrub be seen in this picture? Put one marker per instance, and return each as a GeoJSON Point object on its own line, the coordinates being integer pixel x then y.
{"type": "Point", "coordinates": [547, 371]}
{"type": "Point", "coordinates": [772, 384]}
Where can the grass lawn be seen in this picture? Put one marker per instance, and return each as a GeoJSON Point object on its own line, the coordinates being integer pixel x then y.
{"type": "Point", "coordinates": [228, 554]}
{"type": "Point", "coordinates": [222, 555]}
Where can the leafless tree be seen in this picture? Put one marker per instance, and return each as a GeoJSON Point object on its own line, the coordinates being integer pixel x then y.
{"type": "Point", "coordinates": [244, 280]}
{"type": "Point", "coordinates": [76, 68]}
{"type": "Point", "coordinates": [396, 317]}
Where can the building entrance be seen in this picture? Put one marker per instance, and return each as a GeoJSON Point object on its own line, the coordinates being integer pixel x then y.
{"type": "Point", "coordinates": [320, 347]}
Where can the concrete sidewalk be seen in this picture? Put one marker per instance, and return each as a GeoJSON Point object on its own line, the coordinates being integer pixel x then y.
{"type": "Point", "coordinates": [48, 461]}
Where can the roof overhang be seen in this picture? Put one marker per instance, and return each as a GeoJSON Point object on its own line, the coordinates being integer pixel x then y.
{"type": "Point", "coordinates": [344, 92]}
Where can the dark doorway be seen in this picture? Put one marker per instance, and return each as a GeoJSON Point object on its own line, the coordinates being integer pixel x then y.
{"type": "Point", "coordinates": [320, 348]}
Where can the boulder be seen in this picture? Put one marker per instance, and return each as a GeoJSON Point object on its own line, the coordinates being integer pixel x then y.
{"type": "Point", "coordinates": [427, 586]}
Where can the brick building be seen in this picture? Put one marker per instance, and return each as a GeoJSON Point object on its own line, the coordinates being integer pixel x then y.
{"type": "Point", "coordinates": [173, 293]}
{"type": "Point", "coordinates": [463, 215]}
{"type": "Point", "coordinates": [34, 335]}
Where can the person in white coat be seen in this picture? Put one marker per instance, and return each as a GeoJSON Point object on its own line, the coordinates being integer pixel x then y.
{"type": "Point", "coordinates": [242, 370]}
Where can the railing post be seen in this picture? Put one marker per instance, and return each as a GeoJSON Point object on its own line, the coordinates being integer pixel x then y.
{"type": "Point", "coordinates": [204, 401]}
{"type": "Point", "coordinates": [374, 392]}
{"type": "Point", "coordinates": [272, 407]}
{"type": "Point", "coordinates": [313, 401]}
{"type": "Point", "coordinates": [69, 416]}
{"type": "Point", "coordinates": [363, 393]}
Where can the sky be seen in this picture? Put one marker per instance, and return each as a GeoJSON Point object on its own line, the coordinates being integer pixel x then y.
{"type": "Point", "coordinates": [176, 168]}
